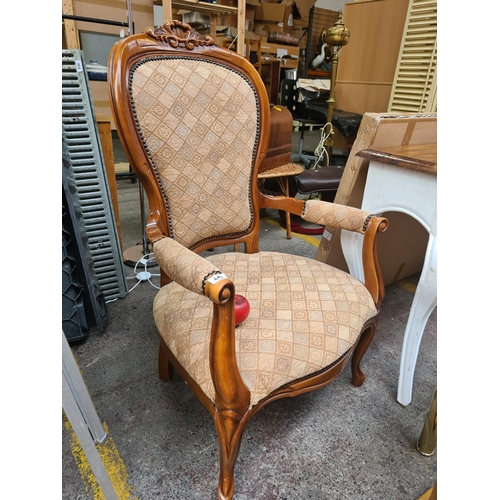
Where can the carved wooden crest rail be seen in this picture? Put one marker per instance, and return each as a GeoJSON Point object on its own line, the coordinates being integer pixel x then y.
{"type": "Point", "coordinates": [178, 33]}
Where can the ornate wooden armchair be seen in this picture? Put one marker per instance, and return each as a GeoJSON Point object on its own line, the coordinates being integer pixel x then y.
{"type": "Point", "coordinates": [194, 121]}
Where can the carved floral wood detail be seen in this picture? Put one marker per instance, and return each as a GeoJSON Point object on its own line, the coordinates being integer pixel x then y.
{"type": "Point", "coordinates": [178, 33]}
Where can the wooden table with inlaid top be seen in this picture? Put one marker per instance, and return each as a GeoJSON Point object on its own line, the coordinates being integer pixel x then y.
{"type": "Point", "coordinates": [403, 179]}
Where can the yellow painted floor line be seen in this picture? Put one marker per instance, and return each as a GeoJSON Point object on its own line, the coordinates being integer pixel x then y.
{"type": "Point", "coordinates": [407, 285]}
{"type": "Point", "coordinates": [305, 237]}
{"type": "Point", "coordinates": [112, 461]}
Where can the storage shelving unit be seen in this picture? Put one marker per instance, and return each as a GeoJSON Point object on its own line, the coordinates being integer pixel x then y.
{"type": "Point", "coordinates": [213, 10]}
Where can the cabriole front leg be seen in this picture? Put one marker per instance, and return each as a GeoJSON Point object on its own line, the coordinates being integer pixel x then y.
{"type": "Point", "coordinates": [366, 337]}
{"type": "Point", "coordinates": [230, 431]}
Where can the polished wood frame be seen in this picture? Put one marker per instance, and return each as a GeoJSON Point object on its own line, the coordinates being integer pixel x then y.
{"type": "Point", "coordinates": [231, 409]}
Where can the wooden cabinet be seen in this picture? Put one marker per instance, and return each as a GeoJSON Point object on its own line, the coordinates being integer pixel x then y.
{"type": "Point", "coordinates": [368, 62]}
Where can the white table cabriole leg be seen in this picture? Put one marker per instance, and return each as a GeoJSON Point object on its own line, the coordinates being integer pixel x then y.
{"type": "Point", "coordinates": [352, 248]}
{"type": "Point", "coordinates": [423, 304]}
{"type": "Point", "coordinates": [391, 188]}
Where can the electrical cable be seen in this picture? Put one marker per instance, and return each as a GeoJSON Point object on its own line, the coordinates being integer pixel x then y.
{"type": "Point", "coordinates": [320, 149]}
{"type": "Point", "coordinates": [143, 275]}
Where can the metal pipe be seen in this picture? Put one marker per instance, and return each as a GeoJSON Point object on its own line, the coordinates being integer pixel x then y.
{"type": "Point", "coordinates": [94, 20]}
{"type": "Point", "coordinates": [308, 44]}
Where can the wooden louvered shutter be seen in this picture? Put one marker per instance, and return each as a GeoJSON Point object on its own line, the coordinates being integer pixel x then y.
{"type": "Point", "coordinates": [414, 87]}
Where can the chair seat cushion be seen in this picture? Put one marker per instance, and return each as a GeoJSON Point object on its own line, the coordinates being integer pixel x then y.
{"type": "Point", "coordinates": [304, 315]}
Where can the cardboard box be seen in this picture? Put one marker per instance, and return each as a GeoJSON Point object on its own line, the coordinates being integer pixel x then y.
{"type": "Point", "coordinates": [195, 18]}
{"type": "Point", "coordinates": [401, 249]}
{"type": "Point", "coordinates": [250, 35]}
{"type": "Point", "coordinates": [250, 8]}
{"type": "Point", "coordinates": [231, 32]}
{"type": "Point", "coordinates": [262, 30]}
{"type": "Point", "coordinates": [226, 31]}
{"type": "Point", "coordinates": [303, 7]}
{"type": "Point", "coordinates": [276, 12]}
{"type": "Point", "coordinates": [282, 35]}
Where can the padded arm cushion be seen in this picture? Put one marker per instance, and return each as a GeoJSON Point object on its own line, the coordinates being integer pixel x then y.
{"type": "Point", "coordinates": [183, 266]}
{"type": "Point", "coordinates": [333, 215]}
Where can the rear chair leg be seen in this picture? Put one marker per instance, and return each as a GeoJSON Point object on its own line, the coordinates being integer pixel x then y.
{"type": "Point", "coordinates": [165, 368]}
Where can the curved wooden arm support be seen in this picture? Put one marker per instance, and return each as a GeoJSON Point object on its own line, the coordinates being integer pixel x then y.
{"type": "Point", "coordinates": [285, 203]}
{"type": "Point", "coordinates": [232, 397]}
{"type": "Point", "coordinates": [374, 281]}
{"type": "Point", "coordinates": [231, 392]}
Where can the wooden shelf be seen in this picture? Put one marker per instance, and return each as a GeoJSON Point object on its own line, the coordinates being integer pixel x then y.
{"type": "Point", "coordinates": [214, 10]}
{"type": "Point", "coordinates": [204, 7]}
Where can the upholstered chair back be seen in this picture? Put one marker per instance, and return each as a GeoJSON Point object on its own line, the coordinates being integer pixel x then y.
{"type": "Point", "coordinates": [198, 122]}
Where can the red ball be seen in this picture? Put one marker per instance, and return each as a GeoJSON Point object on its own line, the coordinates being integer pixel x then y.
{"type": "Point", "coordinates": [241, 309]}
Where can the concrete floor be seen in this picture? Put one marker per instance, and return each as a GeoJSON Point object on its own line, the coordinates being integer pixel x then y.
{"type": "Point", "coordinates": [339, 442]}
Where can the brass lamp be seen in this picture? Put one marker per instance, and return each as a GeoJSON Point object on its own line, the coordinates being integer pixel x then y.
{"type": "Point", "coordinates": [335, 38]}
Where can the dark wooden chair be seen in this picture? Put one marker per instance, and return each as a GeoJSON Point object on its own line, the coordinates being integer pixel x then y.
{"type": "Point", "coordinates": [194, 121]}
{"type": "Point", "coordinates": [289, 94]}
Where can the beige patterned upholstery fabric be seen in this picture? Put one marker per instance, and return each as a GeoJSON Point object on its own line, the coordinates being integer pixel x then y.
{"type": "Point", "coordinates": [182, 265]}
{"type": "Point", "coordinates": [304, 315]}
{"type": "Point", "coordinates": [195, 113]}
{"type": "Point", "coordinates": [333, 215]}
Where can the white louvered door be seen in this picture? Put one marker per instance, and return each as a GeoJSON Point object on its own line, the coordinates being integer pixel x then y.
{"type": "Point", "coordinates": [415, 85]}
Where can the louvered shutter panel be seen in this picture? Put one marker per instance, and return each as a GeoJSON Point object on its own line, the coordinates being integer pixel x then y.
{"type": "Point", "coordinates": [87, 174]}
{"type": "Point", "coordinates": [414, 87]}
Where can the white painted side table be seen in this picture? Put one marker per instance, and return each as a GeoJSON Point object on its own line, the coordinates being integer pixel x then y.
{"type": "Point", "coordinates": [403, 179]}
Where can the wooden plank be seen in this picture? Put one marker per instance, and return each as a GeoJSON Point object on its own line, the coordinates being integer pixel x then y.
{"type": "Point", "coordinates": [104, 128]}
{"type": "Point", "coordinates": [167, 11]}
{"type": "Point", "coordinates": [240, 42]}
{"type": "Point", "coordinates": [71, 35]}
{"type": "Point", "coordinates": [421, 157]}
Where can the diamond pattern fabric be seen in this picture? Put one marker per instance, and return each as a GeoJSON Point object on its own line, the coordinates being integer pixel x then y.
{"type": "Point", "coordinates": [304, 315]}
{"type": "Point", "coordinates": [333, 215]}
{"type": "Point", "coordinates": [199, 124]}
{"type": "Point", "coordinates": [182, 265]}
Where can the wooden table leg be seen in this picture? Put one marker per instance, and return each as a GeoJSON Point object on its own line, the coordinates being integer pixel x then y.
{"type": "Point", "coordinates": [283, 182]}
